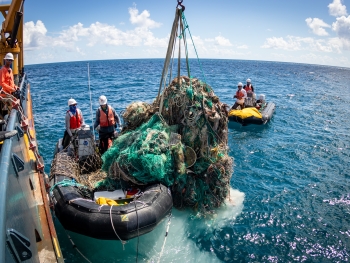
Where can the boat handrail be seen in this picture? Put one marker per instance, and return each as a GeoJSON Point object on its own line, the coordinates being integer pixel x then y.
{"type": "Point", "coordinates": [5, 161]}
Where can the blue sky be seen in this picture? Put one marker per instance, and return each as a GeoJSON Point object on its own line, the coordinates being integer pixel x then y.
{"type": "Point", "coordinates": [305, 31]}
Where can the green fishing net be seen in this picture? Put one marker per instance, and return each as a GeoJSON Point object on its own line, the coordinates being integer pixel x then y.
{"type": "Point", "coordinates": [180, 141]}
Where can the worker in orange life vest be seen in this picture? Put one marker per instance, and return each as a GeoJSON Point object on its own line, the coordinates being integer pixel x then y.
{"type": "Point", "coordinates": [6, 79]}
{"type": "Point", "coordinates": [74, 120]}
{"type": "Point", "coordinates": [250, 100]}
{"type": "Point", "coordinates": [240, 95]}
{"type": "Point", "coordinates": [107, 119]}
{"type": "Point", "coordinates": [249, 88]}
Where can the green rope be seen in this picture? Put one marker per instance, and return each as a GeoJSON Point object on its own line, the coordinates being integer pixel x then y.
{"type": "Point", "coordinates": [186, 26]}
{"type": "Point", "coordinates": [67, 182]}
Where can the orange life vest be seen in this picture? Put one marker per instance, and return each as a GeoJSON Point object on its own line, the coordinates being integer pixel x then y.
{"type": "Point", "coordinates": [248, 89]}
{"type": "Point", "coordinates": [75, 120]}
{"type": "Point", "coordinates": [106, 119]}
{"type": "Point", "coordinates": [239, 94]}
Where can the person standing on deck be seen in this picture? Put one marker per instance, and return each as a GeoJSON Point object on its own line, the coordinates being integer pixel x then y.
{"type": "Point", "coordinates": [7, 84]}
{"type": "Point", "coordinates": [107, 119]}
{"type": "Point", "coordinates": [240, 95]}
{"type": "Point", "coordinates": [7, 80]}
{"type": "Point", "coordinates": [74, 119]}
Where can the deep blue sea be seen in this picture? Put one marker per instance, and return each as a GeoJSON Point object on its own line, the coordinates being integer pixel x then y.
{"type": "Point", "coordinates": [291, 182]}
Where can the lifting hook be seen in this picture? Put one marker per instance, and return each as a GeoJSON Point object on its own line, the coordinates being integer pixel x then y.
{"type": "Point", "coordinates": [179, 3]}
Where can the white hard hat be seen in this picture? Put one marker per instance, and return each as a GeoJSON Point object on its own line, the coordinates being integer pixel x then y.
{"type": "Point", "coordinates": [71, 102]}
{"type": "Point", "coordinates": [9, 56]}
{"type": "Point", "coordinates": [248, 80]}
{"type": "Point", "coordinates": [240, 84]}
{"type": "Point", "coordinates": [102, 100]}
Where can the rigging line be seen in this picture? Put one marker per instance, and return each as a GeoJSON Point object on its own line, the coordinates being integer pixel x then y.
{"type": "Point", "coordinates": [74, 246]}
{"type": "Point", "coordinates": [169, 51]}
{"type": "Point", "coordinates": [186, 48]}
{"type": "Point", "coordinates": [115, 232]}
{"type": "Point", "coordinates": [166, 235]}
{"type": "Point", "coordinates": [92, 116]}
{"type": "Point", "coordinates": [179, 61]}
{"type": "Point", "coordinates": [138, 234]}
{"type": "Point", "coordinates": [172, 61]}
{"type": "Point", "coordinates": [167, 59]}
{"type": "Point", "coordinates": [200, 65]}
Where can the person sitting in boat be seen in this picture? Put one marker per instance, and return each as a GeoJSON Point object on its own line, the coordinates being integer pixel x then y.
{"type": "Point", "coordinates": [250, 100]}
{"type": "Point", "coordinates": [74, 120]}
{"type": "Point", "coordinates": [260, 103]}
{"type": "Point", "coordinates": [107, 119]}
{"type": "Point", "coordinates": [240, 95]}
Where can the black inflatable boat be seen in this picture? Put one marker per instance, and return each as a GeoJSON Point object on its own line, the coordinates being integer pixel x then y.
{"type": "Point", "coordinates": [132, 217]}
{"type": "Point", "coordinates": [252, 115]}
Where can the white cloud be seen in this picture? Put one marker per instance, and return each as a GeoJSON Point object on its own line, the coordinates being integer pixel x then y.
{"type": "Point", "coordinates": [197, 41]}
{"type": "Point", "coordinates": [336, 8]}
{"type": "Point", "coordinates": [221, 41]}
{"type": "Point", "coordinates": [292, 43]}
{"type": "Point", "coordinates": [215, 51]}
{"type": "Point", "coordinates": [142, 19]}
{"type": "Point", "coordinates": [153, 52]}
{"type": "Point", "coordinates": [342, 28]}
{"type": "Point", "coordinates": [80, 51]}
{"type": "Point", "coordinates": [336, 43]}
{"type": "Point", "coordinates": [279, 43]}
{"type": "Point", "coordinates": [34, 35]}
{"type": "Point", "coordinates": [243, 47]}
{"type": "Point", "coordinates": [317, 25]}
{"type": "Point", "coordinates": [96, 34]}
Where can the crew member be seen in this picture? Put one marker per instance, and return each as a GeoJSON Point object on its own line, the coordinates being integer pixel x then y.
{"type": "Point", "coordinates": [107, 119]}
{"type": "Point", "coordinates": [250, 100]}
{"type": "Point", "coordinates": [74, 120]}
{"type": "Point", "coordinates": [249, 88]}
{"type": "Point", "coordinates": [240, 95]}
{"type": "Point", "coordinates": [7, 80]}
{"type": "Point", "coordinates": [8, 89]}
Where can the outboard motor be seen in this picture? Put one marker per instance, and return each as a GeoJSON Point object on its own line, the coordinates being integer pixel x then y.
{"type": "Point", "coordinates": [250, 100]}
{"type": "Point", "coordinates": [262, 98]}
{"type": "Point", "coordinates": [84, 143]}
{"type": "Point", "coordinates": [260, 103]}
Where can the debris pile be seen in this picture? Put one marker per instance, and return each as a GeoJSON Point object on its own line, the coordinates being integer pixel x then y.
{"type": "Point", "coordinates": [181, 142]}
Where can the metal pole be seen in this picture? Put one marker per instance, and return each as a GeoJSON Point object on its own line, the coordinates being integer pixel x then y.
{"type": "Point", "coordinates": [92, 116]}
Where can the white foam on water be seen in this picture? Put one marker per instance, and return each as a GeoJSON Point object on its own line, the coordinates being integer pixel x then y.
{"type": "Point", "coordinates": [182, 243]}
{"type": "Point", "coordinates": [187, 231]}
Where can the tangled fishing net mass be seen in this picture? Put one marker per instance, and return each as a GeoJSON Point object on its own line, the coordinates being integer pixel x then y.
{"type": "Point", "coordinates": [179, 140]}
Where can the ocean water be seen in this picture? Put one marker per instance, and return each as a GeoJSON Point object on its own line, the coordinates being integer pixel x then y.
{"type": "Point", "coordinates": [290, 198]}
